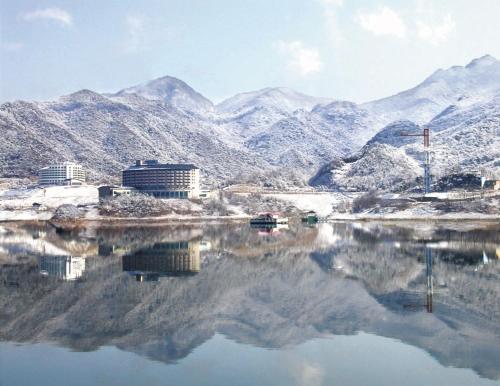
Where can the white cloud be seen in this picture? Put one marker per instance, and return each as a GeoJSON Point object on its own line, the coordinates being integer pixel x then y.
{"type": "Point", "coordinates": [308, 374]}
{"type": "Point", "coordinates": [386, 21]}
{"type": "Point", "coordinates": [334, 3]}
{"type": "Point", "coordinates": [12, 46]}
{"type": "Point", "coordinates": [136, 26]}
{"type": "Point", "coordinates": [301, 60]}
{"type": "Point", "coordinates": [330, 11]}
{"type": "Point", "coordinates": [57, 14]}
{"type": "Point", "coordinates": [436, 34]}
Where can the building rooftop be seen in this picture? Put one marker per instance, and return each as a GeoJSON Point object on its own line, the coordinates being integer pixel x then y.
{"type": "Point", "coordinates": [64, 163]}
{"type": "Point", "coordinates": [154, 164]}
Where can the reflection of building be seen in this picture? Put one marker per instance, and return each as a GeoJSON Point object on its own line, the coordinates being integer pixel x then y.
{"type": "Point", "coordinates": [163, 180]}
{"type": "Point", "coordinates": [111, 249]}
{"type": "Point", "coordinates": [267, 230]}
{"type": "Point", "coordinates": [493, 184]}
{"type": "Point", "coordinates": [205, 245]}
{"type": "Point", "coordinates": [164, 259]}
{"type": "Point", "coordinates": [62, 267]}
{"type": "Point", "coordinates": [63, 173]}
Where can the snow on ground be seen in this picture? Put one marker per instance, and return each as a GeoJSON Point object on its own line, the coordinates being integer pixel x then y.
{"type": "Point", "coordinates": [322, 202]}
{"type": "Point", "coordinates": [49, 197]}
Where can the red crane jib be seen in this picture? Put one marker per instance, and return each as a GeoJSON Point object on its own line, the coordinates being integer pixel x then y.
{"type": "Point", "coordinates": [425, 134]}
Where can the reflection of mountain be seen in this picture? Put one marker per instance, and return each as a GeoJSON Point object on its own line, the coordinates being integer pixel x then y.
{"type": "Point", "coordinates": [276, 298]}
{"type": "Point", "coordinates": [179, 258]}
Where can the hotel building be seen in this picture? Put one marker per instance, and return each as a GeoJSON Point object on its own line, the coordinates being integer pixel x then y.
{"type": "Point", "coordinates": [163, 180]}
{"type": "Point", "coordinates": [63, 173]}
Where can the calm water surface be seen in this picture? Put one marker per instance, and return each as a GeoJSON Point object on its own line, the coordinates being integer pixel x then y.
{"type": "Point", "coordinates": [333, 304]}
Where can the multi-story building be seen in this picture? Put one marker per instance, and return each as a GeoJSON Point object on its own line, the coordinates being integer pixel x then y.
{"type": "Point", "coordinates": [163, 180]}
{"type": "Point", "coordinates": [63, 173]}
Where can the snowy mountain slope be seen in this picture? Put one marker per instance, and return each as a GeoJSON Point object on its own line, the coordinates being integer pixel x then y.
{"type": "Point", "coordinates": [464, 139]}
{"type": "Point", "coordinates": [479, 80]}
{"type": "Point", "coordinates": [172, 91]}
{"type": "Point", "coordinates": [303, 133]}
{"type": "Point", "coordinates": [288, 101]}
{"type": "Point", "coordinates": [332, 130]}
{"type": "Point", "coordinates": [106, 135]}
{"type": "Point", "coordinates": [467, 139]}
{"type": "Point", "coordinates": [392, 134]}
{"type": "Point", "coordinates": [249, 113]}
{"type": "Point", "coordinates": [262, 133]}
{"type": "Point", "coordinates": [379, 166]}
{"type": "Point", "coordinates": [351, 120]}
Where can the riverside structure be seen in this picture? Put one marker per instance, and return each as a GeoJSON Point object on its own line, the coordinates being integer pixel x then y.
{"type": "Point", "coordinates": [62, 173]}
{"type": "Point", "coordinates": [163, 180]}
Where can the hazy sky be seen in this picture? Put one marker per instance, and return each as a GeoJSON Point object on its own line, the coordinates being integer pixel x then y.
{"type": "Point", "coordinates": [348, 49]}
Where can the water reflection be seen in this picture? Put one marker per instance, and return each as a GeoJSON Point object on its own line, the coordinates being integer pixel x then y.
{"type": "Point", "coordinates": [269, 229]}
{"type": "Point", "coordinates": [426, 286]}
{"type": "Point", "coordinates": [180, 258]}
{"type": "Point", "coordinates": [430, 282]}
{"type": "Point", "coordinates": [62, 267]}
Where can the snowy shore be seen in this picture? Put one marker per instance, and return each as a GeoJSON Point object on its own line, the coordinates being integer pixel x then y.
{"type": "Point", "coordinates": [40, 204]}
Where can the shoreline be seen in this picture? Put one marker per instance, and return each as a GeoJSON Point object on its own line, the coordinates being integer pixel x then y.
{"type": "Point", "coordinates": [188, 220]}
{"type": "Point", "coordinates": [434, 218]}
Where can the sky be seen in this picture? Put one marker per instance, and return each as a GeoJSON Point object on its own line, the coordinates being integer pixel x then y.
{"type": "Point", "coordinates": [357, 50]}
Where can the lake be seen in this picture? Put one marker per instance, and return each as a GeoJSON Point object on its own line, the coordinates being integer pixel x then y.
{"type": "Point", "coordinates": [331, 304]}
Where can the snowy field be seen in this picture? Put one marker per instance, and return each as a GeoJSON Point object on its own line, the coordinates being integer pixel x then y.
{"type": "Point", "coordinates": [49, 197]}
{"type": "Point", "coordinates": [17, 204]}
{"type": "Point", "coordinates": [320, 202]}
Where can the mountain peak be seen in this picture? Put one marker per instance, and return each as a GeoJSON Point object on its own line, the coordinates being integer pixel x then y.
{"type": "Point", "coordinates": [83, 95]}
{"type": "Point", "coordinates": [475, 68]}
{"type": "Point", "coordinates": [485, 60]}
{"type": "Point", "coordinates": [478, 80]}
{"type": "Point", "coordinates": [281, 98]}
{"type": "Point", "coordinates": [172, 91]}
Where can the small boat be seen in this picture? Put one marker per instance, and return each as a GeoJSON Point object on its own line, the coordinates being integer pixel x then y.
{"type": "Point", "coordinates": [310, 217]}
{"type": "Point", "coordinates": [269, 218]}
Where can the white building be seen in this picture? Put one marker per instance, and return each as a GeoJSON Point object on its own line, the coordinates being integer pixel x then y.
{"type": "Point", "coordinates": [63, 173]}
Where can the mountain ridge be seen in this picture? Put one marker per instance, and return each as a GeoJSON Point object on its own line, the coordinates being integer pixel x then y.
{"type": "Point", "coordinates": [261, 132]}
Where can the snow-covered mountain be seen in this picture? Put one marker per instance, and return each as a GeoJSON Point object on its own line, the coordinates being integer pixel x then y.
{"type": "Point", "coordinates": [273, 131]}
{"type": "Point", "coordinates": [107, 134]}
{"type": "Point", "coordinates": [464, 139]}
{"type": "Point", "coordinates": [173, 92]}
{"type": "Point", "coordinates": [477, 81]}
{"type": "Point", "coordinates": [251, 113]}
{"type": "Point", "coordinates": [283, 98]}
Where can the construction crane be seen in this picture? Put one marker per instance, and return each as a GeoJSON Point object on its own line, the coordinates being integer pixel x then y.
{"type": "Point", "coordinates": [427, 164]}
